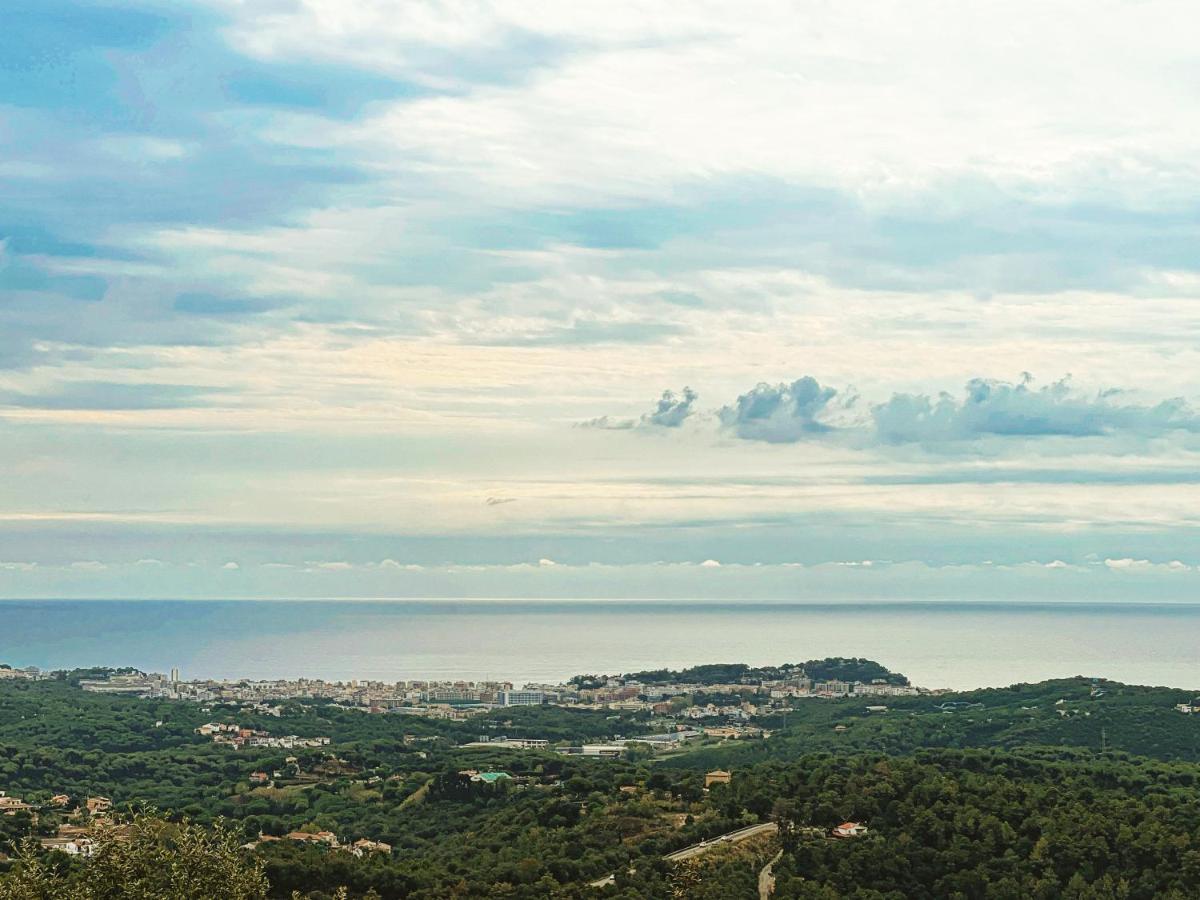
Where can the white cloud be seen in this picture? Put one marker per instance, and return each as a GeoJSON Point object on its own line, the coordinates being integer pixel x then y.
{"type": "Point", "coordinates": [1042, 99]}
{"type": "Point", "coordinates": [1135, 566]}
{"type": "Point", "coordinates": [403, 567]}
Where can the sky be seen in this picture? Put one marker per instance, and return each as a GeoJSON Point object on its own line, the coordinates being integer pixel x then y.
{"type": "Point", "coordinates": [303, 298]}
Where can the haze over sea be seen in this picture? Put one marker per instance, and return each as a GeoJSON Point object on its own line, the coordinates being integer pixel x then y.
{"type": "Point", "coordinates": [937, 644]}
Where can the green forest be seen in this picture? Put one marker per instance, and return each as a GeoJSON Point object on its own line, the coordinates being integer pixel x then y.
{"type": "Point", "coordinates": [1068, 788]}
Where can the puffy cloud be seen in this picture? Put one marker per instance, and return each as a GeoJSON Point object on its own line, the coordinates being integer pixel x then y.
{"type": "Point", "coordinates": [1019, 410]}
{"type": "Point", "coordinates": [671, 411]}
{"type": "Point", "coordinates": [782, 413]}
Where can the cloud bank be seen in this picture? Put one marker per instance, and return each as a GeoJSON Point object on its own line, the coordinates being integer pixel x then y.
{"type": "Point", "coordinates": [806, 410]}
{"type": "Point", "coordinates": [992, 408]}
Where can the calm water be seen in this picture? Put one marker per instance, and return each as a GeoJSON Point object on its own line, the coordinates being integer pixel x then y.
{"type": "Point", "coordinates": [936, 644]}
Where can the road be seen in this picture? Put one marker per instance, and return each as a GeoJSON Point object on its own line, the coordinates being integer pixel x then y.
{"type": "Point", "coordinates": [731, 837]}
{"type": "Point", "coordinates": [766, 878]}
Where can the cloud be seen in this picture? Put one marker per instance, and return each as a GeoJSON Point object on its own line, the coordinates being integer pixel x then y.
{"type": "Point", "coordinates": [671, 411]}
{"type": "Point", "coordinates": [895, 214]}
{"type": "Point", "coordinates": [1003, 409]}
{"type": "Point", "coordinates": [1139, 566]}
{"type": "Point", "coordinates": [989, 408]}
{"type": "Point", "coordinates": [393, 564]}
{"type": "Point", "coordinates": [780, 414]}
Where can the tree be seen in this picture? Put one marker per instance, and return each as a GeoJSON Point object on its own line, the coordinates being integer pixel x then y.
{"type": "Point", "coordinates": [148, 859]}
{"type": "Point", "coordinates": [786, 816]}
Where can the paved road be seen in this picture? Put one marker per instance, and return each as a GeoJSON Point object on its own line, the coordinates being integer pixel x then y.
{"type": "Point", "coordinates": [766, 878]}
{"type": "Point", "coordinates": [703, 847]}
{"type": "Point", "coordinates": [731, 838]}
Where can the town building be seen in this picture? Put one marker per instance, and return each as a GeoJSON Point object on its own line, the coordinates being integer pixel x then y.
{"type": "Point", "coordinates": [362, 847]}
{"type": "Point", "coordinates": [601, 750]}
{"type": "Point", "coordinates": [10, 806]}
{"type": "Point", "coordinates": [849, 830]}
{"type": "Point", "coordinates": [717, 776]}
{"type": "Point", "coordinates": [522, 698]}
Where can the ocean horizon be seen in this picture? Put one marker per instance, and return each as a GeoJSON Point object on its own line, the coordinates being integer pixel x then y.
{"type": "Point", "coordinates": [936, 643]}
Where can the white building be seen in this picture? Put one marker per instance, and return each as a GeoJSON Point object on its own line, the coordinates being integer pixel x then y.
{"type": "Point", "coordinates": [522, 698]}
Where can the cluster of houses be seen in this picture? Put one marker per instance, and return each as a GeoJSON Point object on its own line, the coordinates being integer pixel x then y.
{"type": "Point", "coordinates": [360, 848]}
{"type": "Point", "coordinates": [72, 839]}
{"type": "Point", "coordinates": [84, 840]}
{"type": "Point", "coordinates": [237, 737]}
{"type": "Point", "coordinates": [95, 806]}
{"type": "Point", "coordinates": [671, 738]}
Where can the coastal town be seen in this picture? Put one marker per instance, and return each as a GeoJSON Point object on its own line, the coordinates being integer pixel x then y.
{"type": "Point", "coordinates": [676, 711]}
{"type": "Point", "coordinates": [458, 699]}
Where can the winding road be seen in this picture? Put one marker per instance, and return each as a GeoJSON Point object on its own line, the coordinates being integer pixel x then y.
{"type": "Point", "coordinates": [766, 878]}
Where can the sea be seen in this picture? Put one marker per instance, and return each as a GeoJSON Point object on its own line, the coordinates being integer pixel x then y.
{"type": "Point", "coordinates": [936, 644]}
